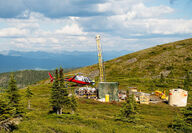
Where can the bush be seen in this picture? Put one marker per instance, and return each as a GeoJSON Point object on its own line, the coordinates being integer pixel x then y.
{"type": "Point", "coordinates": [129, 111]}
{"type": "Point", "coordinates": [188, 59]}
{"type": "Point", "coordinates": [183, 121]}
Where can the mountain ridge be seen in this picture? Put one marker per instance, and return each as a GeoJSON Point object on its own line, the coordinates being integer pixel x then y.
{"type": "Point", "coordinates": [15, 60]}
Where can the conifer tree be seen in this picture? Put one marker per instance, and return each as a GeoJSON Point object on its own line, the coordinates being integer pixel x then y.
{"type": "Point", "coordinates": [54, 94]}
{"type": "Point", "coordinates": [178, 123]}
{"type": "Point", "coordinates": [129, 111]}
{"type": "Point", "coordinates": [13, 96]}
{"type": "Point", "coordinates": [171, 74]}
{"type": "Point", "coordinates": [6, 113]}
{"type": "Point", "coordinates": [162, 82]}
{"type": "Point", "coordinates": [188, 117]}
{"type": "Point", "coordinates": [61, 77]}
{"type": "Point", "coordinates": [5, 110]}
{"type": "Point", "coordinates": [59, 98]}
{"type": "Point", "coordinates": [152, 85]}
{"type": "Point", "coordinates": [64, 102]}
{"type": "Point", "coordinates": [162, 78]}
{"type": "Point", "coordinates": [28, 95]}
{"type": "Point", "coordinates": [187, 81]}
{"type": "Point", "coordinates": [183, 121]}
{"type": "Point", "coordinates": [73, 103]}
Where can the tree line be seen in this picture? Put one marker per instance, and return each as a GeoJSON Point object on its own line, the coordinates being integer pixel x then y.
{"type": "Point", "coordinates": [26, 77]}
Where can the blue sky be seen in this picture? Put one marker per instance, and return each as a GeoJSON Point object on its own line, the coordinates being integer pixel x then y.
{"type": "Point", "coordinates": [71, 25]}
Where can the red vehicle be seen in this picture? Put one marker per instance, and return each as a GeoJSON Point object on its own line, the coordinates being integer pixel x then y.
{"type": "Point", "coordinates": [77, 79]}
{"type": "Point", "coordinates": [51, 77]}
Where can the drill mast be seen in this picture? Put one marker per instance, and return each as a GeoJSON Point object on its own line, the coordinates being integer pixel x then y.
{"type": "Point", "coordinates": [100, 59]}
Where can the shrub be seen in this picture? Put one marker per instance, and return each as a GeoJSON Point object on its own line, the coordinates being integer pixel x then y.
{"type": "Point", "coordinates": [188, 59]}
{"type": "Point", "coordinates": [183, 121]}
{"type": "Point", "coordinates": [129, 111]}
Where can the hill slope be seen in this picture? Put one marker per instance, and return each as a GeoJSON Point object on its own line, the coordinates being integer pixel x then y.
{"type": "Point", "coordinates": [91, 117]}
{"type": "Point", "coordinates": [144, 67]}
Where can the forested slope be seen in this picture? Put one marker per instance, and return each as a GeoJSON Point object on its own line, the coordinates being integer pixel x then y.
{"type": "Point", "coordinates": [25, 77]}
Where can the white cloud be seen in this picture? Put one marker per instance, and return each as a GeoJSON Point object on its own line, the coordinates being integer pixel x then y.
{"type": "Point", "coordinates": [31, 40]}
{"type": "Point", "coordinates": [150, 26]}
{"type": "Point", "coordinates": [128, 25]}
{"type": "Point", "coordinates": [147, 12]}
{"type": "Point", "coordinates": [72, 29]}
{"type": "Point", "coordinates": [82, 38]}
{"type": "Point", "coordinates": [169, 26]}
{"type": "Point", "coordinates": [27, 25]}
{"type": "Point", "coordinates": [53, 40]}
{"type": "Point", "coordinates": [117, 6]}
{"type": "Point", "coordinates": [9, 32]}
{"type": "Point", "coordinates": [133, 8]}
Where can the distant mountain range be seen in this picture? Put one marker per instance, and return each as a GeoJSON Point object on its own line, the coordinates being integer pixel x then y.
{"type": "Point", "coordinates": [14, 60]}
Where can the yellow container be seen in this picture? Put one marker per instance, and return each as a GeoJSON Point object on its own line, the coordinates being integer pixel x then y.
{"type": "Point", "coordinates": [106, 97]}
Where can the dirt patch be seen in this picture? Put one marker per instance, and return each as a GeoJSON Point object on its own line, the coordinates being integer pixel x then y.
{"type": "Point", "coordinates": [131, 60]}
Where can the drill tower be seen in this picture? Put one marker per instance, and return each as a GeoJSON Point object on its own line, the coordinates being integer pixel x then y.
{"type": "Point", "coordinates": [100, 59]}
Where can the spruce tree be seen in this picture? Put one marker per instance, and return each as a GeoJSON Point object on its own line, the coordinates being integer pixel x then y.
{"type": "Point", "coordinates": [183, 121]}
{"type": "Point", "coordinates": [59, 97]}
{"type": "Point", "coordinates": [28, 95]}
{"type": "Point", "coordinates": [64, 102]}
{"type": "Point", "coordinates": [171, 74]}
{"type": "Point", "coordinates": [129, 111]}
{"type": "Point", "coordinates": [73, 103]}
{"type": "Point", "coordinates": [162, 78]}
{"type": "Point", "coordinates": [6, 114]}
{"type": "Point", "coordinates": [178, 123]}
{"type": "Point", "coordinates": [188, 117]}
{"type": "Point", "coordinates": [61, 77]}
{"type": "Point", "coordinates": [162, 81]}
{"type": "Point", "coordinates": [187, 81]}
{"type": "Point", "coordinates": [6, 111]}
{"type": "Point", "coordinates": [13, 96]}
{"type": "Point", "coordinates": [54, 94]}
{"type": "Point", "coordinates": [152, 85]}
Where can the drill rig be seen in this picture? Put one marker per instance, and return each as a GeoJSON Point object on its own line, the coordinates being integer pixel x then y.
{"type": "Point", "coordinates": [100, 59]}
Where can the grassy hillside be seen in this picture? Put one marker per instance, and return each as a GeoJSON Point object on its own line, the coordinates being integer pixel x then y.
{"type": "Point", "coordinates": [144, 67]}
{"type": "Point", "coordinates": [92, 117]}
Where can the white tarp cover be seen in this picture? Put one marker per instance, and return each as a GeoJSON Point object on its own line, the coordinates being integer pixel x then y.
{"type": "Point", "coordinates": [178, 97]}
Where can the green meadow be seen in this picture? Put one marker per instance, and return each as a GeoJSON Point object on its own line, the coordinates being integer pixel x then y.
{"type": "Point", "coordinates": [92, 116]}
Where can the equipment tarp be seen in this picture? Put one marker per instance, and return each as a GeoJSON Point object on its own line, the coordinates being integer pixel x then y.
{"type": "Point", "coordinates": [110, 88]}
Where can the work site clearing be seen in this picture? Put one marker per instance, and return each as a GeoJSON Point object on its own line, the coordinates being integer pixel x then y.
{"type": "Point", "coordinates": [93, 116]}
